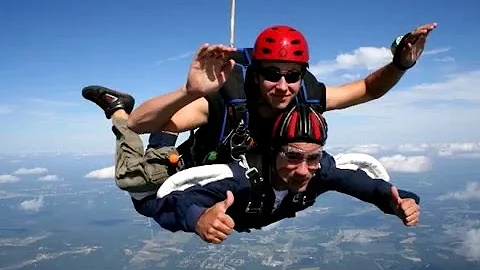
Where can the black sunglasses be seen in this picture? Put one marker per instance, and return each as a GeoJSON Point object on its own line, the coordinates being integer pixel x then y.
{"type": "Point", "coordinates": [273, 75]}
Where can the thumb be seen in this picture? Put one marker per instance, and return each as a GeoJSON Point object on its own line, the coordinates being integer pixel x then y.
{"type": "Point", "coordinates": [228, 201]}
{"type": "Point", "coordinates": [395, 196]}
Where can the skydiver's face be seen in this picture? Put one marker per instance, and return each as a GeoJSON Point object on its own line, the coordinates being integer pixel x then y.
{"type": "Point", "coordinates": [296, 163]}
{"type": "Point", "coordinates": [278, 90]}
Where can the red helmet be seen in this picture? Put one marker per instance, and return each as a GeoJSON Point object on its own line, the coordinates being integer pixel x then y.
{"type": "Point", "coordinates": [300, 124]}
{"type": "Point", "coordinates": [281, 43]}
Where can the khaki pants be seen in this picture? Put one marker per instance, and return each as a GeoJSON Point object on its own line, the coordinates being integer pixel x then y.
{"type": "Point", "coordinates": [136, 171]}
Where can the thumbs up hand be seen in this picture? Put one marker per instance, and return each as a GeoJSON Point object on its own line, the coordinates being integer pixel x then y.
{"type": "Point", "coordinates": [214, 225]}
{"type": "Point", "coordinates": [406, 209]}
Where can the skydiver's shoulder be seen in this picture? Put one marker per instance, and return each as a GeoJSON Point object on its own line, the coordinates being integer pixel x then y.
{"type": "Point", "coordinates": [234, 179]}
{"type": "Point", "coordinates": [327, 163]}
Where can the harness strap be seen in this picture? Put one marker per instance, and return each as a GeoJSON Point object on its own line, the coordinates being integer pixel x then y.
{"type": "Point", "coordinates": [256, 201]}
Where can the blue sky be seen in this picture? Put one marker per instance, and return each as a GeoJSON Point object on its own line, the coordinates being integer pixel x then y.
{"type": "Point", "coordinates": [51, 49]}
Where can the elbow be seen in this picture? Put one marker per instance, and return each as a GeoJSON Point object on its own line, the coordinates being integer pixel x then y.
{"type": "Point", "coordinates": [375, 93]}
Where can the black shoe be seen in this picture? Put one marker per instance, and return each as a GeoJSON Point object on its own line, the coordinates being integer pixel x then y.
{"type": "Point", "coordinates": [109, 100]}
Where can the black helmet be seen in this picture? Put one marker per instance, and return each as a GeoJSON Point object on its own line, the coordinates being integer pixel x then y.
{"type": "Point", "coordinates": [299, 124]}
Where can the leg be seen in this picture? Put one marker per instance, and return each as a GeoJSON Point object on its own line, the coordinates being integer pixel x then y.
{"type": "Point", "coordinates": [130, 174]}
{"type": "Point", "coordinates": [138, 174]}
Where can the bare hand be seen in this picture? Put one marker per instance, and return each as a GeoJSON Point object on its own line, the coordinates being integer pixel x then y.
{"type": "Point", "coordinates": [209, 69]}
{"type": "Point", "coordinates": [406, 209]}
{"type": "Point", "coordinates": [214, 225]}
{"type": "Point", "coordinates": [415, 44]}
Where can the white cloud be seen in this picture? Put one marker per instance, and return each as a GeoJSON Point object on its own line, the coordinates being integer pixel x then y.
{"type": "Point", "coordinates": [369, 58]}
{"type": "Point", "coordinates": [367, 148]}
{"type": "Point", "coordinates": [362, 58]}
{"type": "Point", "coordinates": [49, 178]}
{"type": "Point", "coordinates": [450, 149]}
{"type": "Point", "coordinates": [104, 173]}
{"type": "Point", "coordinates": [466, 234]}
{"type": "Point", "coordinates": [25, 171]}
{"type": "Point", "coordinates": [175, 58]}
{"type": "Point", "coordinates": [447, 59]}
{"type": "Point", "coordinates": [436, 51]}
{"type": "Point", "coordinates": [471, 244]}
{"type": "Point", "coordinates": [7, 178]}
{"type": "Point", "coordinates": [402, 163]}
{"type": "Point", "coordinates": [412, 148]}
{"type": "Point", "coordinates": [471, 192]}
{"type": "Point", "coordinates": [32, 205]}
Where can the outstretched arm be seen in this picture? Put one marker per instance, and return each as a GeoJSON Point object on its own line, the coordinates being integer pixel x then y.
{"type": "Point", "coordinates": [372, 87]}
{"type": "Point", "coordinates": [382, 80]}
{"type": "Point", "coordinates": [176, 111]}
{"type": "Point", "coordinates": [358, 184]}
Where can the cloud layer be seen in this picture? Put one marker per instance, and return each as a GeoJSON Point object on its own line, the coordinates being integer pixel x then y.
{"type": "Point", "coordinates": [400, 163]}
{"type": "Point", "coordinates": [471, 192]}
{"type": "Point", "coordinates": [105, 173]}
{"type": "Point", "coordinates": [32, 205]}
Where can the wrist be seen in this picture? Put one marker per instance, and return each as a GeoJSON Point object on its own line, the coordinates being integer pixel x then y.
{"type": "Point", "coordinates": [399, 69]}
{"type": "Point", "coordinates": [193, 214]}
{"type": "Point", "coordinates": [185, 96]}
{"type": "Point", "coordinates": [397, 48]}
{"type": "Point", "coordinates": [191, 92]}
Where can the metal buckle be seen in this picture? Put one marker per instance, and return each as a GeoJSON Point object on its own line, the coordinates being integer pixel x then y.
{"type": "Point", "coordinates": [254, 210]}
{"type": "Point", "coordinates": [238, 141]}
{"type": "Point", "coordinates": [253, 176]}
{"type": "Point", "coordinates": [303, 199]}
{"type": "Point", "coordinates": [250, 173]}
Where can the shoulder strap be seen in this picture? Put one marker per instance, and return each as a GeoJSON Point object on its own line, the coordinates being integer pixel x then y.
{"type": "Point", "coordinates": [312, 92]}
{"type": "Point", "coordinates": [234, 137]}
{"type": "Point", "coordinates": [234, 95]}
{"type": "Point", "coordinates": [256, 174]}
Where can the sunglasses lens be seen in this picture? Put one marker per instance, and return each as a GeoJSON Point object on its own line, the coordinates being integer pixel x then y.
{"type": "Point", "coordinates": [274, 76]}
{"type": "Point", "coordinates": [292, 77]}
{"type": "Point", "coordinates": [271, 75]}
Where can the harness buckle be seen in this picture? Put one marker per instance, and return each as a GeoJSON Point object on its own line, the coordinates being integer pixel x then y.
{"type": "Point", "coordinates": [254, 210]}
{"type": "Point", "coordinates": [253, 175]}
{"type": "Point", "coordinates": [239, 141]}
{"type": "Point", "coordinates": [303, 199]}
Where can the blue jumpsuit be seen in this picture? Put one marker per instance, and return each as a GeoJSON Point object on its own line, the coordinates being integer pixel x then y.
{"type": "Point", "coordinates": [180, 210]}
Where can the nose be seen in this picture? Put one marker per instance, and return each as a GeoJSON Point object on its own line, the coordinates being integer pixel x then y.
{"type": "Point", "coordinates": [282, 84]}
{"type": "Point", "coordinates": [302, 169]}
